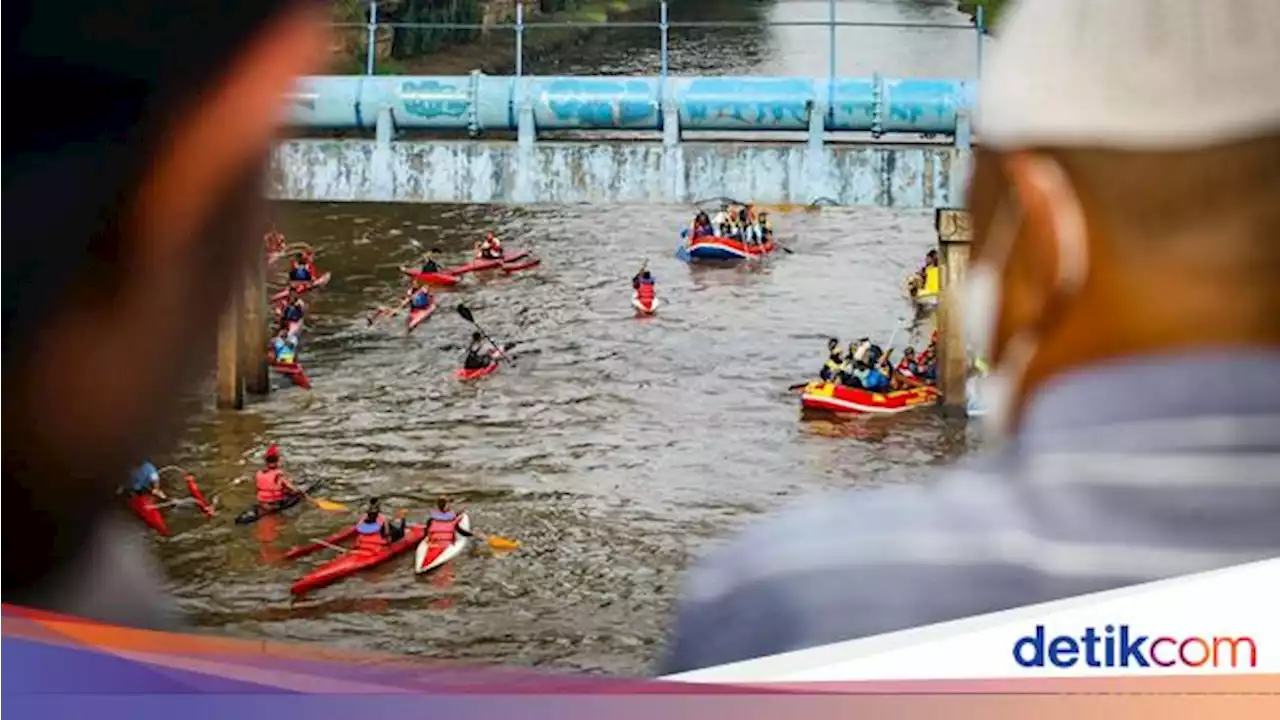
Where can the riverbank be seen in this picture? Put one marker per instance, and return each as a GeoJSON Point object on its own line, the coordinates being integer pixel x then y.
{"type": "Point", "coordinates": [494, 51]}
{"type": "Point", "coordinates": [991, 9]}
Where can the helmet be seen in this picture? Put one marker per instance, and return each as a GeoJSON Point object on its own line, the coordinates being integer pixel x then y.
{"type": "Point", "coordinates": [273, 453]}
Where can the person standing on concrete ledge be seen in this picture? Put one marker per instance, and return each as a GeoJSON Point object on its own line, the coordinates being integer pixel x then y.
{"type": "Point", "coordinates": [1126, 200]}
{"type": "Point", "coordinates": [151, 141]}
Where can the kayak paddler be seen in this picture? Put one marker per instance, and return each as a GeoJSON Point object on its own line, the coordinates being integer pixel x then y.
{"type": "Point", "coordinates": [300, 270]}
{"type": "Point", "coordinates": [834, 365]}
{"type": "Point", "coordinates": [272, 484]}
{"type": "Point", "coordinates": [294, 309]}
{"type": "Point", "coordinates": [645, 287]}
{"type": "Point", "coordinates": [490, 248]}
{"type": "Point", "coordinates": [429, 263]}
{"type": "Point", "coordinates": [283, 350]}
{"type": "Point", "coordinates": [644, 277]}
{"type": "Point", "coordinates": [417, 298]}
{"type": "Point", "coordinates": [477, 356]}
{"type": "Point", "coordinates": [146, 480]}
{"type": "Point", "coordinates": [443, 524]}
{"type": "Point", "coordinates": [374, 532]}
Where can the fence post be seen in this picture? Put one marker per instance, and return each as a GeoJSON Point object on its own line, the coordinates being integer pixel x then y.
{"type": "Point", "coordinates": [831, 51]}
{"type": "Point", "coordinates": [980, 23]}
{"type": "Point", "coordinates": [665, 28]}
{"type": "Point", "coordinates": [519, 38]}
{"type": "Point", "coordinates": [373, 37]}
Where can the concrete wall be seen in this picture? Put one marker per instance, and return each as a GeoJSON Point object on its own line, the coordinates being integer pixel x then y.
{"type": "Point", "coordinates": [618, 172]}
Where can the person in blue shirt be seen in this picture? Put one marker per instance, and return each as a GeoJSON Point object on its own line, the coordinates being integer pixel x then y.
{"type": "Point", "coordinates": [419, 298]}
{"type": "Point", "coordinates": [146, 479]}
{"type": "Point", "coordinates": [876, 379]}
{"type": "Point", "coordinates": [295, 310]}
{"type": "Point", "coordinates": [300, 271]}
{"type": "Point", "coordinates": [283, 350]}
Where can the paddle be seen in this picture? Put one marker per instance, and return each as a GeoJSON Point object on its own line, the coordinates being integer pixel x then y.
{"type": "Point", "coordinates": [465, 312]}
{"type": "Point", "coordinates": [331, 546]}
{"type": "Point", "coordinates": [322, 503]}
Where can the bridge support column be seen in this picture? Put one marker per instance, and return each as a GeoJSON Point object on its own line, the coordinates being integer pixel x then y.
{"type": "Point", "coordinates": [230, 382]}
{"type": "Point", "coordinates": [954, 236]}
{"type": "Point", "coordinates": [255, 318]}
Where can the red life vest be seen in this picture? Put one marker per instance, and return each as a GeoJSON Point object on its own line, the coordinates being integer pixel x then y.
{"type": "Point", "coordinates": [373, 540]}
{"type": "Point", "coordinates": [442, 532]}
{"type": "Point", "coordinates": [645, 293]}
{"type": "Point", "coordinates": [269, 488]}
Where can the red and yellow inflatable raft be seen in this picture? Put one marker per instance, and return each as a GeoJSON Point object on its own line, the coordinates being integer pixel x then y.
{"type": "Point", "coordinates": [840, 399]}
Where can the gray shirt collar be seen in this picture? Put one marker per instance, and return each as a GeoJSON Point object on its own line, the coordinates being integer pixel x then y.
{"type": "Point", "coordinates": [1241, 384]}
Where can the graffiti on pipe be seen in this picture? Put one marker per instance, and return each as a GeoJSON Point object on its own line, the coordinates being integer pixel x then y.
{"type": "Point", "coordinates": [429, 99]}
{"type": "Point", "coordinates": [599, 103]}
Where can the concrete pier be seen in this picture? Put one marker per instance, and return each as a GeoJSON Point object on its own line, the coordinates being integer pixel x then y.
{"type": "Point", "coordinates": [954, 237]}
{"type": "Point", "coordinates": [256, 322]}
{"type": "Point", "coordinates": [230, 382]}
{"type": "Point", "coordinates": [242, 340]}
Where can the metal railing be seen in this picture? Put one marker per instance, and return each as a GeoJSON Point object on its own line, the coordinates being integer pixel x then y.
{"type": "Point", "coordinates": [664, 25]}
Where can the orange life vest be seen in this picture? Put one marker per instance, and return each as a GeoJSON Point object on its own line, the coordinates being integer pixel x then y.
{"type": "Point", "coordinates": [269, 488]}
{"type": "Point", "coordinates": [372, 540]}
{"type": "Point", "coordinates": [645, 293]}
{"type": "Point", "coordinates": [442, 532]}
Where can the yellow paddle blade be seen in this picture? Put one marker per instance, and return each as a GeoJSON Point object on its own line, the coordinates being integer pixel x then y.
{"type": "Point", "coordinates": [330, 505]}
{"type": "Point", "coordinates": [501, 543]}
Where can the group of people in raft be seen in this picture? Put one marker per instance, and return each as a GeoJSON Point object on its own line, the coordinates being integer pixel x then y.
{"type": "Point", "coordinates": [867, 367]}
{"type": "Point", "coordinates": [736, 222]}
{"type": "Point", "coordinates": [374, 531]}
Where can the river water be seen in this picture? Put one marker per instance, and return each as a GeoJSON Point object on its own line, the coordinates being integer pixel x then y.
{"type": "Point", "coordinates": [613, 448]}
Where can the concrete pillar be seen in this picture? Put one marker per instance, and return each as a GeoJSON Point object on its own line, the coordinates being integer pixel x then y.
{"type": "Point", "coordinates": [954, 236]}
{"type": "Point", "coordinates": [255, 319]}
{"type": "Point", "coordinates": [230, 382]}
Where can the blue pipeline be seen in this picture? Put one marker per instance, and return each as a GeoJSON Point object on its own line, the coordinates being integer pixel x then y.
{"type": "Point", "coordinates": [479, 102]}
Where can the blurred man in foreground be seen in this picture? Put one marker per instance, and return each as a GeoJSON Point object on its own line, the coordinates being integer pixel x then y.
{"type": "Point", "coordinates": [131, 200]}
{"type": "Point", "coordinates": [1126, 202]}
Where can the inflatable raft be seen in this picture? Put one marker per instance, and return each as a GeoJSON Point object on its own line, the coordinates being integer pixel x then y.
{"type": "Point", "coordinates": [840, 399]}
{"type": "Point", "coordinates": [715, 248]}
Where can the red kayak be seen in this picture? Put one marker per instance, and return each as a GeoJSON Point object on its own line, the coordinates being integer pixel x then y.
{"type": "Point", "coordinates": [417, 317]}
{"type": "Point", "coordinates": [295, 373]}
{"type": "Point", "coordinates": [440, 279]}
{"type": "Point", "coordinates": [302, 287]}
{"type": "Point", "coordinates": [645, 306]}
{"type": "Point", "coordinates": [356, 560]}
{"type": "Point", "coordinates": [145, 506]}
{"type": "Point", "coordinates": [487, 263]}
{"type": "Point", "coordinates": [529, 262]}
{"type": "Point", "coordinates": [335, 539]}
{"type": "Point", "coordinates": [464, 374]}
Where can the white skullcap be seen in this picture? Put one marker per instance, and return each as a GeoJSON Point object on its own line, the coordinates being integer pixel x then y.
{"type": "Point", "coordinates": [1132, 74]}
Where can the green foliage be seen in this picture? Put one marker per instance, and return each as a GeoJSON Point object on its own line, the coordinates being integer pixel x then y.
{"type": "Point", "coordinates": [991, 9]}
{"type": "Point", "coordinates": [415, 42]}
